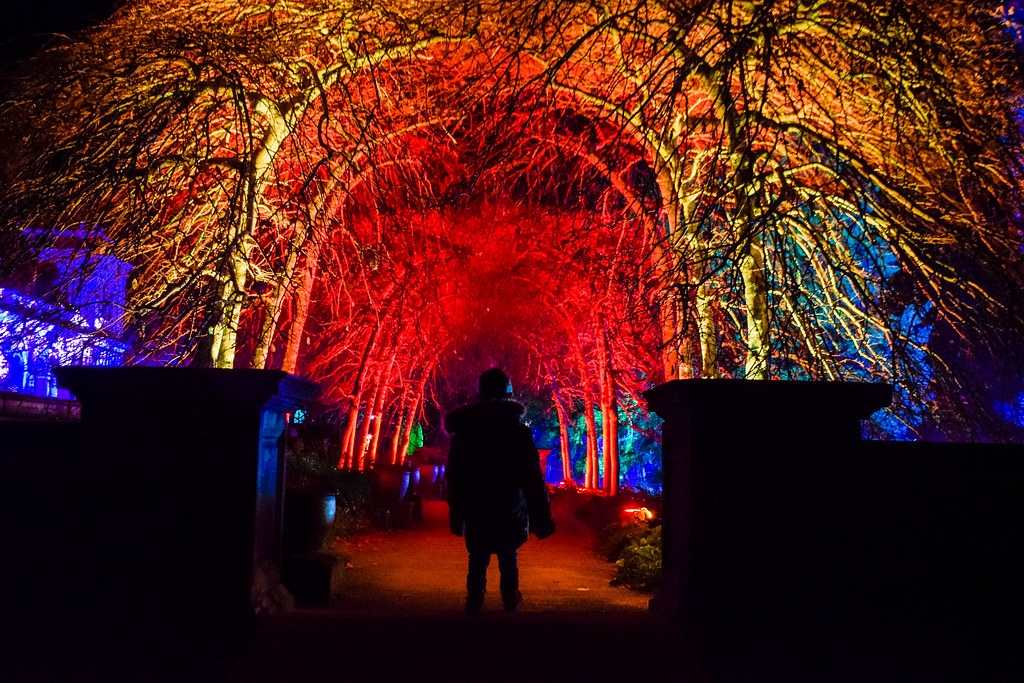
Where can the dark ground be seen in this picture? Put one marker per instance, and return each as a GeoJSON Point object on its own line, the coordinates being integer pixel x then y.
{"type": "Point", "coordinates": [399, 617]}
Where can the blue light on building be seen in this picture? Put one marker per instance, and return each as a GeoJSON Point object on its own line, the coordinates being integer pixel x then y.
{"type": "Point", "coordinates": [68, 313]}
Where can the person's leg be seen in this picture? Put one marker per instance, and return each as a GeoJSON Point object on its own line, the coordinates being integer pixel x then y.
{"type": "Point", "coordinates": [476, 581]}
{"type": "Point", "coordinates": [508, 565]}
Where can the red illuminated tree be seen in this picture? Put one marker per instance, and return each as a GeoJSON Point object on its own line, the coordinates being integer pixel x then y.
{"type": "Point", "coordinates": [651, 190]}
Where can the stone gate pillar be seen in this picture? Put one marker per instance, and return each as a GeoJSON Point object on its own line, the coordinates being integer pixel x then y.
{"type": "Point", "coordinates": [753, 498]}
{"type": "Point", "coordinates": [183, 491]}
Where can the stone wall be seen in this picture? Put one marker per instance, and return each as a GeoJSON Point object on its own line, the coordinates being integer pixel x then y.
{"type": "Point", "coordinates": [791, 544]}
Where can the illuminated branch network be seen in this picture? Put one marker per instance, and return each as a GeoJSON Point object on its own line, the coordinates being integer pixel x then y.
{"type": "Point", "coordinates": [607, 194]}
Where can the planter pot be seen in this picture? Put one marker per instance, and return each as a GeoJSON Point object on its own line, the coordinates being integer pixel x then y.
{"type": "Point", "coordinates": [388, 485]}
{"type": "Point", "coordinates": [429, 473]}
{"type": "Point", "coordinates": [430, 481]}
{"type": "Point", "coordinates": [308, 516]}
{"type": "Point", "coordinates": [414, 482]}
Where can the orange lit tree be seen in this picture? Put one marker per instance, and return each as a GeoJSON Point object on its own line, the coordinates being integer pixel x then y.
{"type": "Point", "coordinates": [604, 194]}
{"type": "Point", "coordinates": [832, 181]}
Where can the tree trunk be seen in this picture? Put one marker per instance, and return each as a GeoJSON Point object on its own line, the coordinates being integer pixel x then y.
{"type": "Point", "coordinates": [563, 438]}
{"type": "Point", "coordinates": [417, 401]}
{"type": "Point", "coordinates": [261, 356]}
{"type": "Point", "coordinates": [403, 446]}
{"type": "Point", "coordinates": [671, 363]}
{"type": "Point", "coordinates": [378, 408]}
{"type": "Point", "coordinates": [364, 429]}
{"type": "Point", "coordinates": [232, 302]}
{"type": "Point", "coordinates": [590, 478]}
{"type": "Point", "coordinates": [609, 417]}
{"type": "Point", "coordinates": [233, 299]}
{"type": "Point", "coordinates": [751, 258]}
{"type": "Point", "coordinates": [297, 331]}
{"type": "Point", "coordinates": [348, 445]}
{"type": "Point", "coordinates": [396, 436]}
{"type": "Point", "coordinates": [706, 333]}
{"type": "Point", "coordinates": [756, 296]}
{"type": "Point", "coordinates": [348, 441]}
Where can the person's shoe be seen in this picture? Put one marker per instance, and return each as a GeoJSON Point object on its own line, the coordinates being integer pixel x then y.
{"type": "Point", "coordinates": [511, 600]}
{"type": "Point", "coordinates": [474, 604]}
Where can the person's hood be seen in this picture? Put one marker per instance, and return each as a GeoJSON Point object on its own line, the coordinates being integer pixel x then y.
{"type": "Point", "coordinates": [476, 415]}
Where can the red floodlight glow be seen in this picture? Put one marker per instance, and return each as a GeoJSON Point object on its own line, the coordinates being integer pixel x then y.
{"type": "Point", "coordinates": [640, 514]}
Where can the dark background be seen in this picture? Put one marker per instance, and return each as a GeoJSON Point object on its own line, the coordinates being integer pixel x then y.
{"type": "Point", "coordinates": [25, 25]}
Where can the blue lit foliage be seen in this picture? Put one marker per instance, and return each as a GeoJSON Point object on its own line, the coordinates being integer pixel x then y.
{"type": "Point", "coordinates": [640, 451]}
{"type": "Point", "coordinates": [840, 305]}
{"type": "Point", "coordinates": [845, 313]}
{"type": "Point", "coordinates": [1012, 411]}
{"type": "Point", "coordinates": [834, 235]}
{"type": "Point", "coordinates": [639, 448]}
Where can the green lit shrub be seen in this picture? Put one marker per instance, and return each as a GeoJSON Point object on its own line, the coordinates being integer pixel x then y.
{"type": "Point", "coordinates": [639, 565]}
{"type": "Point", "coordinates": [621, 536]}
{"type": "Point", "coordinates": [415, 438]}
{"type": "Point", "coordinates": [614, 540]}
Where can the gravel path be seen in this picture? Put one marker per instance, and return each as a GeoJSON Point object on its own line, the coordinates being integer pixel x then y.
{"type": "Point", "coordinates": [424, 570]}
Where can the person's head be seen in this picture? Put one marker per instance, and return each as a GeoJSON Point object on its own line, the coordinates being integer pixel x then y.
{"type": "Point", "coordinates": [494, 384]}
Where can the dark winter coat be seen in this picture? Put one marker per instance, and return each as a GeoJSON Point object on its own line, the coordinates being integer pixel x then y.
{"type": "Point", "coordinates": [496, 490]}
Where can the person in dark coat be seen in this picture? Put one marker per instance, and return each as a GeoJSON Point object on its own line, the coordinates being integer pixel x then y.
{"type": "Point", "coordinates": [496, 490]}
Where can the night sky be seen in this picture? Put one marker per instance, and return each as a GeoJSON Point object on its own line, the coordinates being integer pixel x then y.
{"type": "Point", "coordinates": [26, 24]}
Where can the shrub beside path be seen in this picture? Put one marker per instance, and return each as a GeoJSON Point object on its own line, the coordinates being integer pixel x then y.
{"type": "Point", "coordinates": [399, 616]}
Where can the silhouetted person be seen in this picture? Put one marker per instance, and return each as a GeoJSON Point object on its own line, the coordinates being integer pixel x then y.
{"type": "Point", "coordinates": [496, 490]}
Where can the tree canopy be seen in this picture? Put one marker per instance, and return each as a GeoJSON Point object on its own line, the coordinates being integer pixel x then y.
{"type": "Point", "coordinates": [603, 194]}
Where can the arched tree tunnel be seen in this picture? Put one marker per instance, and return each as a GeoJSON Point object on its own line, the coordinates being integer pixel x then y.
{"type": "Point", "coordinates": [598, 196]}
{"type": "Point", "coordinates": [534, 266]}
